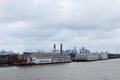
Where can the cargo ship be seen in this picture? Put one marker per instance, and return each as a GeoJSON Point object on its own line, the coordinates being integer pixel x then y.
{"type": "Point", "coordinates": [39, 57]}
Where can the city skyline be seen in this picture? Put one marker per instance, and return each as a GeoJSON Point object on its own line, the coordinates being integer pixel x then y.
{"type": "Point", "coordinates": [38, 24]}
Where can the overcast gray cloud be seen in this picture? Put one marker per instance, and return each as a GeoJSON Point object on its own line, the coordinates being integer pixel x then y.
{"type": "Point", "coordinates": [38, 24]}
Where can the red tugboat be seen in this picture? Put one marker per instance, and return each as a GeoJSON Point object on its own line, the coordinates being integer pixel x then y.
{"type": "Point", "coordinates": [21, 61]}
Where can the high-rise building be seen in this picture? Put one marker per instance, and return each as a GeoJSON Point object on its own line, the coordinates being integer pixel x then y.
{"type": "Point", "coordinates": [84, 50]}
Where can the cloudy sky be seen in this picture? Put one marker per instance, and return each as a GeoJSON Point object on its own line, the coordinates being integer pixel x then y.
{"type": "Point", "coordinates": [38, 24]}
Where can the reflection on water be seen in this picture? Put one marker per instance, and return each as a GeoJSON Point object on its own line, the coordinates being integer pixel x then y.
{"type": "Point", "coordinates": [96, 70]}
{"type": "Point", "coordinates": [6, 65]}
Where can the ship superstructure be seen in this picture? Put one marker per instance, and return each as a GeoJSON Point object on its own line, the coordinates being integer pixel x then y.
{"type": "Point", "coordinates": [43, 57]}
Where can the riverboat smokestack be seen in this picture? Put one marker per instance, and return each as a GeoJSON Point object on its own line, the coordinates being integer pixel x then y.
{"type": "Point", "coordinates": [61, 51]}
{"type": "Point", "coordinates": [54, 47]}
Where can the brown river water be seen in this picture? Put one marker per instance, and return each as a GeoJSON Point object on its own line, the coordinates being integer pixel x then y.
{"type": "Point", "coordinates": [96, 70]}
